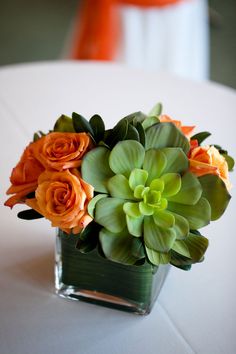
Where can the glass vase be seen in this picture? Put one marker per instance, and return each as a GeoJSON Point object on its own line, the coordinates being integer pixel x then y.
{"type": "Point", "coordinates": [93, 278]}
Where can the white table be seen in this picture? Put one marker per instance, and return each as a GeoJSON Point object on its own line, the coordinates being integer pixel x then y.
{"type": "Point", "coordinates": [196, 310]}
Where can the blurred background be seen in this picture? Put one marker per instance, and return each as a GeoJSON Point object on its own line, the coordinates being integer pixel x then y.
{"type": "Point", "coordinates": [39, 30]}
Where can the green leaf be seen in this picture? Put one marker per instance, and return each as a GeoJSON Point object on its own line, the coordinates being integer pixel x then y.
{"type": "Point", "coordinates": [132, 209]}
{"type": "Point", "coordinates": [118, 187]}
{"type": "Point", "coordinates": [176, 160]}
{"type": "Point", "coordinates": [109, 213]}
{"type": "Point", "coordinates": [154, 163]}
{"type": "Point", "coordinates": [98, 127]}
{"type": "Point", "coordinates": [149, 121]}
{"type": "Point", "coordinates": [193, 247]}
{"type": "Point", "coordinates": [135, 225]}
{"type": "Point", "coordinates": [29, 214]}
{"type": "Point", "coordinates": [158, 238]}
{"type": "Point", "coordinates": [190, 192]}
{"type": "Point", "coordinates": [166, 135]}
{"type": "Point", "coordinates": [200, 137]}
{"type": "Point", "coordinates": [181, 226]}
{"type": "Point", "coordinates": [135, 117]}
{"type": "Point", "coordinates": [172, 184]}
{"type": "Point", "coordinates": [156, 110]}
{"type": "Point", "coordinates": [64, 124]}
{"type": "Point", "coordinates": [96, 170]}
{"type": "Point", "coordinates": [137, 177]}
{"type": "Point", "coordinates": [81, 124]}
{"type": "Point", "coordinates": [126, 156]}
{"type": "Point", "coordinates": [93, 202]}
{"type": "Point", "coordinates": [230, 161]}
{"type": "Point", "coordinates": [156, 257]}
{"type": "Point", "coordinates": [164, 219]}
{"type": "Point", "coordinates": [118, 133]}
{"type": "Point", "coordinates": [198, 215]}
{"type": "Point", "coordinates": [137, 248]}
{"type": "Point", "coordinates": [215, 191]}
{"type": "Point", "coordinates": [118, 246]}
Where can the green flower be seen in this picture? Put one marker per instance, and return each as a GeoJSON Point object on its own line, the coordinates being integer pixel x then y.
{"type": "Point", "coordinates": [148, 201]}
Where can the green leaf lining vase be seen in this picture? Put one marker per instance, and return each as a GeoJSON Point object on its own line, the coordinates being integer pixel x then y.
{"type": "Point", "coordinates": [92, 278]}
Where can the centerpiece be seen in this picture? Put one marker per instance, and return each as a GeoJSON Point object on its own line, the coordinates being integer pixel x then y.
{"type": "Point", "coordinates": [127, 202]}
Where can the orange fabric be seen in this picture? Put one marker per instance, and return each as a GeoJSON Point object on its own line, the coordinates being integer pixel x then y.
{"type": "Point", "coordinates": [97, 31]}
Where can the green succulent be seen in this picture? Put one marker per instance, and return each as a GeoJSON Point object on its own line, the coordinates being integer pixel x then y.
{"type": "Point", "coordinates": [148, 204]}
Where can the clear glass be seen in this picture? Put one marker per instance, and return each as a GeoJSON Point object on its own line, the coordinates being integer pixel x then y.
{"type": "Point", "coordinates": [92, 278]}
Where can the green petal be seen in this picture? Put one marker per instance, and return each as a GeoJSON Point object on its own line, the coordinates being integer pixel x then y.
{"type": "Point", "coordinates": [126, 156]}
{"type": "Point", "coordinates": [157, 258]}
{"type": "Point", "coordinates": [96, 170]}
{"type": "Point", "coordinates": [176, 160]}
{"type": "Point", "coordinates": [190, 191]}
{"type": "Point", "coordinates": [109, 213]}
{"type": "Point", "coordinates": [118, 187]}
{"type": "Point", "coordinates": [164, 219]}
{"type": "Point", "coordinates": [158, 238]}
{"type": "Point", "coordinates": [132, 209]}
{"type": "Point", "coordinates": [117, 247]}
{"type": "Point", "coordinates": [154, 164]}
{"type": "Point", "coordinates": [153, 197]}
{"type": "Point", "coordinates": [145, 209]}
{"type": "Point", "coordinates": [157, 185]}
{"type": "Point", "coordinates": [215, 191]}
{"type": "Point", "coordinates": [198, 215]}
{"type": "Point", "coordinates": [93, 202]}
{"type": "Point", "coordinates": [181, 226]}
{"type": "Point", "coordinates": [135, 225]}
{"type": "Point", "coordinates": [137, 177]}
{"type": "Point", "coordinates": [172, 184]}
{"type": "Point", "coordinates": [166, 134]}
{"type": "Point", "coordinates": [138, 192]}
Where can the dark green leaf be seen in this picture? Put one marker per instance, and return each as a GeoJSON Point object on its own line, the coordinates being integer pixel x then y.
{"type": "Point", "coordinates": [200, 137]}
{"type": "Point", "coordinates": [117, 134]}
{"type": "Point", "coordinates": [142, 136]}
{"type": "Point", "coordinates": [98, 127]}
{"type": "Point", "coordinates": [29, 214]}
{"type": "Point", "coordinates": [88, 238]}
{"type": "Point", "coordinates": [36, 137]}
{"type": "Point", "coordinates": [81, 125]}
{"type": "Point", "coordinates": [132, 133]}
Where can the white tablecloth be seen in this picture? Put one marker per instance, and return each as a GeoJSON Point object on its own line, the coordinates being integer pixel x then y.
{"type": "Point", "coordinates": [196, 311]}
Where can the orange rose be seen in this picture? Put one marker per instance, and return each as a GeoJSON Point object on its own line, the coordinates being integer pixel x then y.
{"type": "Point", "coordinates": [60, 151]}
{"type": "Point", "coordinates": [62, 197]}
{"type": "Point", "coordinates": [186, 130]}
{"type": "Point", "coordinates": [24, 176]}
{"type": "Point", "coordinates": [207, 160]}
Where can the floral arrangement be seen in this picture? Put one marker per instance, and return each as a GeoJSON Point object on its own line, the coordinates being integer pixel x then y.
{"type": "Point", "coordinates": [139, 192]}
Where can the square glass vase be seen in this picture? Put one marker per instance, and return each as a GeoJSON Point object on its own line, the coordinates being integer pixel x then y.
{"type": "Point", "coordinates": [92, 278]}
